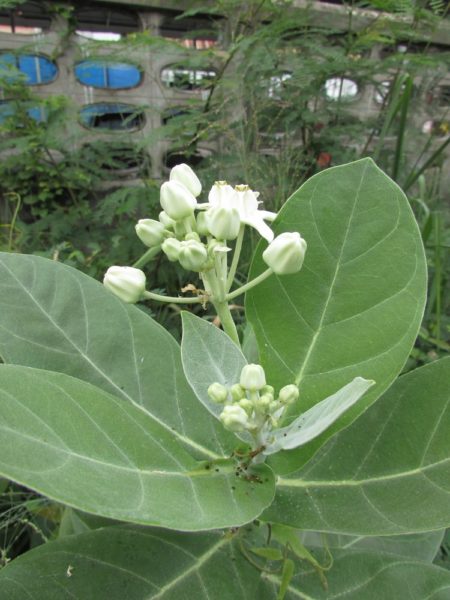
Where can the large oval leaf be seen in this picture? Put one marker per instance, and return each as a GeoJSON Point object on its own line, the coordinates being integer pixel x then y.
{"type": "Point", "coordinates": [366, 576]}
{"type": "Point", "coordinates": [130, 563]}
{"type": "Point", "coordinates": [84, 447]}
{"type": "Point", "coordinates": [355, 307]}
{"type": "Point", "coordinates": [54, 317]}
{"type": "Point", "coordinates": [388, 473]}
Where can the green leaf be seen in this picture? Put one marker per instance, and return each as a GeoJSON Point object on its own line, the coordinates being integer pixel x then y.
{"type": "Point", "coordinates": [56, 318]}
{"type": "Point", "coordinates": [286, 577]}
{"type": "Point", "coordinates": [86, 448]}
{"type": "Point", "coordinates": [130, 563]}
{"type": "Point", "coordinates": [317, 419]}
{"type": "Point", "coordinates": [355, 307]}
{"type": "Point", "coordinates": [387, 474]}
{"type": "Point", "coordinates": [420, 546]}
{"type": "Point", "coordinates": [365, 576]}
{"type": "Point", "coordinates": [209, 356]}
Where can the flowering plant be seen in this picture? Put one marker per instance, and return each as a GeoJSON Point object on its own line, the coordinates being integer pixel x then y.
{"type": "Point", "coordinates": [224, 469]}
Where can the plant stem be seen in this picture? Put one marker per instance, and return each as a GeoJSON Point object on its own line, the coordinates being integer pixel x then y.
{"type": "Point", "coordinates": [224, 314]}
{"type": "Point", "coordinates": [264, 275]}
{"type": "Point", "coordinates": [236, 255]}
{"type": "Point", "coordinates": [172, 299]}
{"type": "Point", "coordinates": [147, 257]}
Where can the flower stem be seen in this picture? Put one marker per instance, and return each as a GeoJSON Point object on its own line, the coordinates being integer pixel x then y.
{"type": "Point", "coordinates": [244, 288]}
{"type": "Point", "coordinates": [147, 257]}
{"type": "Point", "coordinates": [236, 255]}
{"type": "Point", "coordinates": [224, 314]}
{"type": "Point", "coordinates": [172, 299]}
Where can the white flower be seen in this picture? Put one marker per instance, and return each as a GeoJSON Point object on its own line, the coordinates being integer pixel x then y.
{"type": "Point", "coordinates": [245, 201]}
{"type": "Point", "coordinates": [223, 222]}
{"type": "Point", "coordinates": [286, 253]}
{"type": "Point", "coordinates": [185, 175]}
{"type": "Point", "coordinates": [127, 283]}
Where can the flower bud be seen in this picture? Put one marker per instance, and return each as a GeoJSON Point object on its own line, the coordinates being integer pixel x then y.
{"type": "Point", "coordinates": [166, 220]}
{"type": "Point", "coordinates": [218, 393]}
{"type": "Point", "coordinates": [234, 418]}
{"type": "Point", "coordinates": [268, 389]}
{"type": "Point", "coordinates": [264, 402]}
{"type": "Point", "coordinates": [171, 248]}
{"type": "Point", "coordinates": [237, 392]}
{"type": "Point", "coordinates": [150, 232]}
{"type": "Point", "coordinates": [247, 405]}
{"type": "Point", "coordinates": [185, 175]}
{"type": "Point", "coordinates": [127, 283]}
{"type": "Point", "coordinates": [202, 227]}
{"type": "Point", "coordinates": [223, 222]}
{"type": "Point", "coordinates": [286, 253]}
{"type": "Point", "coordinates": [289, 394]}
{"type": "Point", "coordinates": [193, 235]}
{"type": "Point", "coordinates": [176, 200]}
{"type": "Point", "coordinates": [253, 377]}
{"type": "Point", "coordinates": [192, 255]}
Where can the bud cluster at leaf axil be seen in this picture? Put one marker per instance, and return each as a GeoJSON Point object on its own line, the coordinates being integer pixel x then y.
{"type": "Point", "coordinates": [251, 405]}
{"type": "Point", "coordinates": [196, 235]}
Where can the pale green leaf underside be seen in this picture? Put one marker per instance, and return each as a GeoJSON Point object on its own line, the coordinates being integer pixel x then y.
{"type": "Point", "coordinates": [367, 576]}
{"type": "Point", "coordinates": [418, 546]}
{"type": "Point", "coordinates": [208, 356]}
{"type": "Point", "coordinates": [56, 318]}
{"type": "Point", "coordinates": [86, 448]}
{"type": "Point", "coordinates": [317, 419]}
{"type": "Point", "coordinates": [388, 473]}
{"type": "Point", "coordinates": [356, 306]}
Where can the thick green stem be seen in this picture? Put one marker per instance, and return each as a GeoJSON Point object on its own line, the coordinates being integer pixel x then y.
{"type": "Point", "coordinates": [147, 257]}
{"type": "Point", "coordinates": [236, 255]}
{"type": "Point", "coordinates": [172, 299]}
{"type": "Point", "coordinates": [248, 286]}
{"type": "Point", "coordinates": [224, 314]}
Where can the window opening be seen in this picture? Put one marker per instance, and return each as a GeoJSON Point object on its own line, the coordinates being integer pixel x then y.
{"type": "Point", "coordinates": [115, 76]}
{"type": "Point", "coordinates": [190, 33]}
{"type": "Point", "coordinates": [106, 25]}
{"type": "Point", "coordinates": [186, 79]}
{"type": "Point", "coordinates": [27, 19]}
{"type": "Point", "coordinates": [112, 116]}
{"type": "Point", "coordinates": [340, 88]}
{"type": "Point", "coordinates": [37, 69]}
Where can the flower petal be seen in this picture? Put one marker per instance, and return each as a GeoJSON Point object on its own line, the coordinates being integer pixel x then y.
{"type": "Point", "coordinates": [258, 223]}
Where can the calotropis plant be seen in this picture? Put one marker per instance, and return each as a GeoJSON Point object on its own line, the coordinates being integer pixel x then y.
{"type": "Point", "coordinates": [298, 466]}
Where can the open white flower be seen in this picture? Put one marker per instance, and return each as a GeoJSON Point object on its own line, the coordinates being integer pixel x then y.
{"type": "Point", "coordinates": [245, 201]}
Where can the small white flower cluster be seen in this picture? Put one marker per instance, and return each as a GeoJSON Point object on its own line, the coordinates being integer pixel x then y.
{"type": "Point", "coordinates": [179, 230]}
{"type": "Point", "coordinates": [250, 405]}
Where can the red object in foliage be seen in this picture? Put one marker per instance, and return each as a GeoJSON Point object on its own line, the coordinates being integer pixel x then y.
{"type": "Point", "coordinates": [323, 160]}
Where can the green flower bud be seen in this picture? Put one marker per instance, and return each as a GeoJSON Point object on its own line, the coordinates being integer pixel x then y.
{"type": "Point", "coordinates": [171, 248]}
{"type": "Point", "coordinates": [176, 200]}
{"type": "Point", "coordinates": [247, 405]}
{"type": "Point", "coordinates": [268, 389]}
{"type": "Point", "coordinates": [193, 235]}
{"type": "Point", "coordinates": [237, 392]}
{"type": "Point", "coordinates": [127, 283]}
{"type": "Point", "coordinates": [286, 253]}
{"type": "Point", "coordinates": [253, 377]}
{"type": "Point", "coordinates": [223, 222]}
{"type": "Point", "coordinates": [264, 402]}
{"type": "Point", "coordinates": [185, 175]}
{"type": "Point", "coordinates": [289, 394]}
{"type": "Point", "coordinates": [273, 406]}
{"type": "Point", "coordinates": [150, 232]}
{"type": "Point", "coordinates": [202, 227]}
{"type": "Point", "coordinates": [166, 220]}
{"type": "Point", "coordinates": [192, 255]}
{"type": "Point", "coordinates": [218, 393]}
{"type": "Point", "coordinates": [234, 418]}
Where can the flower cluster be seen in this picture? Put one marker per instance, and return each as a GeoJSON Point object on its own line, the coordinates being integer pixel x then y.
{"type": "Point", "coordinates": [250, 405]}
{"type": "Point", "coordinates": [196, 235]}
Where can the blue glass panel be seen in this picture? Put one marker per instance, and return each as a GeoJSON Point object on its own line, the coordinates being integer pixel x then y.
{"type": "Point", "coordinates": [116, 76]}
{"type": "Point", "coordinates": [36, 68]}
{"type": "Point", "coordinates": [112, 116]}
{"type": "Point", "coordinates": [34, 111]}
